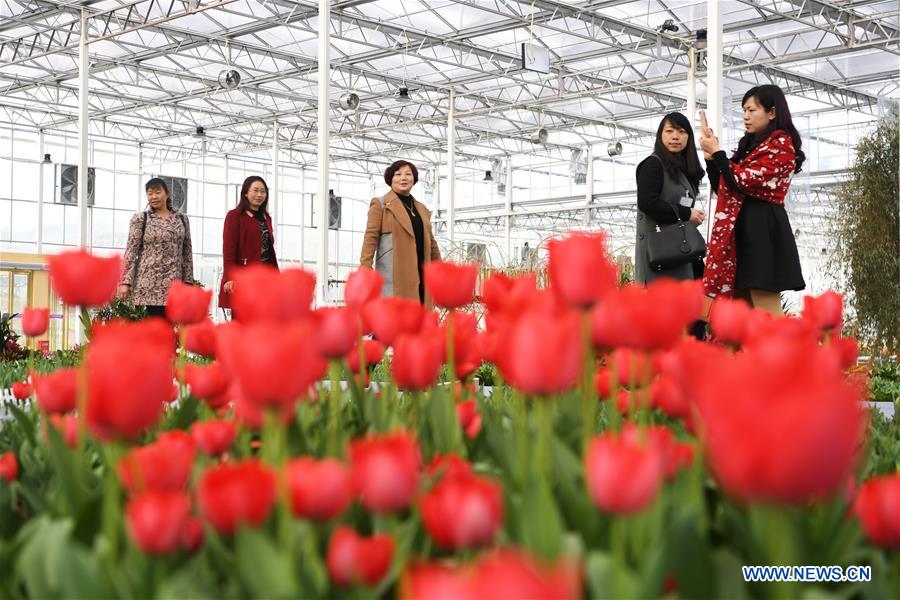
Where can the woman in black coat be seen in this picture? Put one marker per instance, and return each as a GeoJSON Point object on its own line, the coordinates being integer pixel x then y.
{"type": "Point", "coordinates": [667, 184]}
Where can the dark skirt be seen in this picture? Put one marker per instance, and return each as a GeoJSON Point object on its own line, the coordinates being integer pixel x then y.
{"type": "Point", "coordinates": [767, 257]}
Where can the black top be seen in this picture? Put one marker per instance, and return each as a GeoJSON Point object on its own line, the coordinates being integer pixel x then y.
{"type": "Point", "coordinates": [767, 256]}
{"type": "Point", "coordinates": [649, 200]}
{"type": "Point", "coordinates": [419, 233]}
{"type": "Point", "coordinates": [265, 253]}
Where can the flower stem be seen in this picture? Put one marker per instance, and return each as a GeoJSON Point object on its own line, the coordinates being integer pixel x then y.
{"type": "Point", "coordinates": [588, 397]}
{"type": "Point", "coordinates": [334, 396]}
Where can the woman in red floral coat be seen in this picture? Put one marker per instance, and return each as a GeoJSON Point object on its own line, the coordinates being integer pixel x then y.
{"type": "Point", "coordinates": [752, 253]}
{"type": "Point", "coordinates": [248, 236]}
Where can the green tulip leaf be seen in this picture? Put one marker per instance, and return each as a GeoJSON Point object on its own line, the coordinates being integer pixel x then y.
{"type": "Point", "coordinates": [265, 570]}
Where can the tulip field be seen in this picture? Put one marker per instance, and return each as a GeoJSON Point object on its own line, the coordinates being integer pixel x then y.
{"type": "Point", "coordinates": [566, 441]}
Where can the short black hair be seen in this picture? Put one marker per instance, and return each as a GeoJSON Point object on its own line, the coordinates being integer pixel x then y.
{"type": "Point", "coordinates": [396, 166]}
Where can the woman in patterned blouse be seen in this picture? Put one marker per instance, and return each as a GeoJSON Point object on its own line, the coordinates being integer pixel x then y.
{"type": "Point", "coordinates": [752, 253]}
{"type": "Point", "coordinates": [158, 251]}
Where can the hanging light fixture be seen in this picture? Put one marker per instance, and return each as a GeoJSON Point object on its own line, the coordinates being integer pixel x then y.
{"type": "Point", "coordinates": [488, 176]}
{"type": "Point", "coordinates": [403, 94]}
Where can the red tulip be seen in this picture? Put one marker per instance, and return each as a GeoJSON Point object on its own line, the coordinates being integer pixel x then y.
{"type": "Point", "coordinates": [580, 272]}
{"type": "Point", "coordinates": [469, 419]}
{"type": "Point", "coordinates": [154, 330]}
{"type": "Point", "coordinates": [187, 304]}
{"type": "Point", "coordinates": [156, 520]}
{"type": "Point", "coordinates": [35, 321]}
{"type": "Point", "coordinates": [252, 415]}
{"type": "Point", "coordinates": [824, 311]}
{"type": "Point", "coordinates": [22, 390]}
{"type": "Point", "coordinates": [200, 338]}
{"type": "Point", "coordinates": [448, 465]}
{"type": "Point", "coordinates": [630, 400]}
{"type": "Point", "coordinates": [464, 326]}
{"type": "Point", "coordinates": [623, 473]}
{"type": "Point", "coordinates": [392, 316]}
{"type": "Point", "coordinates": [385, 470]}
{"type": "Point", "coordinates": [67, 425]}
{"type": "Point", "coordinates": [603, 383]}
{"type": "Point", "coordinates": [373, 352]}
{"type": "Point", "coordinates": [126, 396]}
{"type": "Point", "coordinates": [682, 458]}
{"type": "Point", "coordinates": [320, 489]}
{"type": "Point", "coordinates": [423, 581]}
{"type": "Point", "coordinates": [338, 330]}
{"type": "Point", "coordinates": [207, 381]}
{"type": "Point", "coordinates": [262, 293]}
{"type": "Point", "coordinates": [542, 354]}
{"type": "Point", "coordinates": [792, 426]}
{"type": "Point", "coordinates": [214, 438]}
{"type": "Point", "coordinates": [502, 294]}
{"type": "Point", "coordinates": [729, 320]}
{"type": "Point", "coordinates": [363, 285]}
{"type": "Point", "coordinates": [668, 396]}
{"type": "Point", "coordinates": [274, 364]}
{"type": "Point", "coordinates": [417, 359]}
{"type": "Point", "coordinates": [82, 279]}
{"type": "Point", "coordinates": [773, 332]}
{"type": "Point", "coordinates": [355, 560]}
{"type": "Point", "coordinates": [463, 512]}
{"type": "Point", "coordinates": [162, 466]}
{"type": "Point", "coordinates": [848, 350]}
{"type": "Point", "coordinates": [674, 455]}
{"type": "Point", "coordinates": [877, 506]}
{"type": "Point", "coordinates": [510, 573]}
{"type": "Point", "coordinates": [450, 285]}
{"type": "Point", "coordinates": [633, 317]}
{"type": "Point", "coordinates": [56, 392]}
{"type": "Point", "coordinates": [468, 363]}
{"type": "Point", "coordinates": [495, 290]}
{"type": "Point", "coordinates": [192, 536]}
{"type": "Point", "coordinates": [9, 467]}
{"type": "Point", "coordinates": [632, 368]}
{"type": "Point", "coordinates": [234, 493]}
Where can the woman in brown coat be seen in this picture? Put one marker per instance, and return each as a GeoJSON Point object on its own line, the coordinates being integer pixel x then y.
{"type": "Point", "coordinates": [398, 239]}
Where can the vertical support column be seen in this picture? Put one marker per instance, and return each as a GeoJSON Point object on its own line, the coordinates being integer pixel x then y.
{"type": "Point", "coordinates": [692, 86]}
{"type": "Point", "coordinates": [451, 166]}
{"type": "Point", "coordinates": [589, 185]}
{"type": "Point", "coordinates": [274, 187]}
{"type": "Point", "coordinates": [303, 217]}
{"type": "Point", "coordinates": [322, 195]}
{"type": "Point", "coordinates": [83, 124]}
{"type": "Point", "coordinates": [509, 203]}
{"type": "Point", "coordinates": [40, 219]}
{"type": "Point", "coordinates": [713, 82]}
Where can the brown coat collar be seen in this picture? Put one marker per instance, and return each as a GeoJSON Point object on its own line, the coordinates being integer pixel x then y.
{"type": "Point", "coordinates": [393, 203]}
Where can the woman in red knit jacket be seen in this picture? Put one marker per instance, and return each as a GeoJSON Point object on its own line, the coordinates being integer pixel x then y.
{"type": "Point", "coordinates": [248, 236]}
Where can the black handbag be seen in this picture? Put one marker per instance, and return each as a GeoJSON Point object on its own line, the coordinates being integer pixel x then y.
{"type": "Point", "coordinates": [674, 245]}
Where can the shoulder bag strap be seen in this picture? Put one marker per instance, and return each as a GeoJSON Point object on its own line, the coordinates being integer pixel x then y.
{"type": "Point", "coordinates": [140, 251]}
{"type": "Point", "coordinates": [184, 224]}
